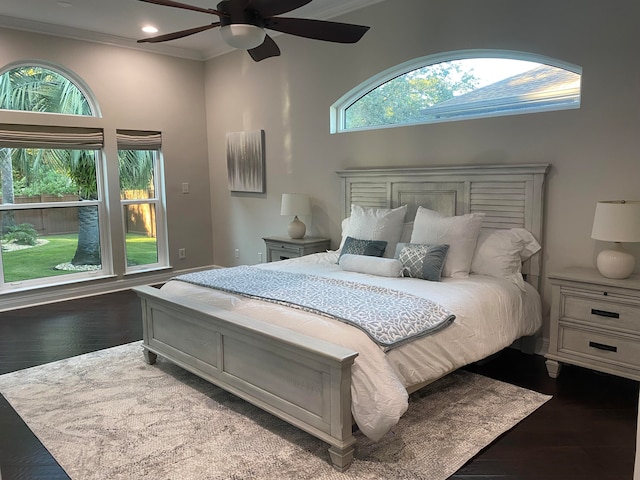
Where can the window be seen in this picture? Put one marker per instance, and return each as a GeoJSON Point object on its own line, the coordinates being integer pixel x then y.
{"type": "Point", "coordinates": [142, 205]}
{"type": "Point", "coordinates": [52, 205]}
{"type": "Point", "coordinates": [456, 86]}
{"type": "Point", "coordinates": [54, 219]}
{"type": "Point", "coordinates": [35, 88]}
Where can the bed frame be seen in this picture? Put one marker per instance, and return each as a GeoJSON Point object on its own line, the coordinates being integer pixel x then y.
{"type": "Point", "coordinates": [305, 381]}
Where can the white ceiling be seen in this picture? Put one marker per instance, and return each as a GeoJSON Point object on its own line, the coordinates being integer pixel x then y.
{"type": "Point", "coordinates": [119, 22]}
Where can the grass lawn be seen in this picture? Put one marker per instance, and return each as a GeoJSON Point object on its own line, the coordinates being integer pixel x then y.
{"type": "Point", "coordinates": [40, 261]}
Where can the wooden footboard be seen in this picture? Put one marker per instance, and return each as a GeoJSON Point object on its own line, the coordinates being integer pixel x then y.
{"type": "Point", "coordinates": [302, 380]}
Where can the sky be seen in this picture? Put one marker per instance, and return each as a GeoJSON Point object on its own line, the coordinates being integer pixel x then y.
{"type": "Point", "coordinates": [491, 70]}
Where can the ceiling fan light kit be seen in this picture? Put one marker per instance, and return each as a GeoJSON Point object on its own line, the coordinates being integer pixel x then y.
{"type": "Point", "coordinates": [242, 35]}
{"type": "Point", "coordinates": [242, 24]}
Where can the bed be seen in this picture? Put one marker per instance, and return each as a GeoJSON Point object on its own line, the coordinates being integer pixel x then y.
{"type": "Point", "coordinates": [321, 374]}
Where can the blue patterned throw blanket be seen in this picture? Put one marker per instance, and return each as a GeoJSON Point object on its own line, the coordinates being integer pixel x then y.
{"type": "Point", "coordinates": [389, 317]}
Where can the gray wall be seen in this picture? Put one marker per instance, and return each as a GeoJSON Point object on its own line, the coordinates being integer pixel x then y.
{"type": "Point", "coordinates": [593, 151]}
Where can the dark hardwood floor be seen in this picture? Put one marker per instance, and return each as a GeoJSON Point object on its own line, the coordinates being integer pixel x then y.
{"type": "Point", "coordinates": [586, 432]}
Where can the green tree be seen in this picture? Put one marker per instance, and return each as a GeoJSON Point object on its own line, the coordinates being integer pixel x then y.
{"type": "Point", "coordinates": [6, 175]}
{"type": "Point", "coordinates": [404, 98]}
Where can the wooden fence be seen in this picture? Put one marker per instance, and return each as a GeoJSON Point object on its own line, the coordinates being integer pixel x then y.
{"type": "Point", "coordinates": [52, 221]}
{"type": "Point", "coordinates": [48, 221]}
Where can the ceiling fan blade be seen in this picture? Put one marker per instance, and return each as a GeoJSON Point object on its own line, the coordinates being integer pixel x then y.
{"type": "Point", "coordinates": [180, 34]}
{"type": "Point", "coordinates": [269, 8]}
{"type": "Point", "coordinates": [317, 29]}
{"type": "Point", "coordinates": [171, 3]}
{"type": "Point", "coordinates": [266, 50]}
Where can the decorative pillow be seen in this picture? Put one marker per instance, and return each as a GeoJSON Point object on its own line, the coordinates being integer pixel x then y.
{"type": "Point", "coordinates": [460, 233]}
{"type": "Point", "coordinates": [500, 253]}
{"type": "Point", "coordinates": [356, 246]}
{"type": "Point", "coordinates": [382, 267]}
{"type": "Point", "coordinates": [368, 223]}
{"type": "Point", "coordinates": [422, 261]}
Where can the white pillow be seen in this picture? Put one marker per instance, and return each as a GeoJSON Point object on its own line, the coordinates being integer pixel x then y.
{"type": "Point", "coordinates": [500, 253]}
{"type": "Point", "coordinates": [460, 233]}
{"type": "Point", "coordinates": [382, 267]}
{"type": "Point", "coordinates": [407, 229]}
{"type": "Point", "coordinates": [366, 223]}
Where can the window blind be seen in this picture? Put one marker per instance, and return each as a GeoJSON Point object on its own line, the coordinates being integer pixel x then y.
{"type": "Point", "coordinates": [53, 137]}
{"type": "Point", "coordinates": [138, 140]}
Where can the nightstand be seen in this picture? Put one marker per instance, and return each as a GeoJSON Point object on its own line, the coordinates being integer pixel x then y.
{"type": "Point", "coordinates": [595, 323]}
{"type": "Point", "coordinates": [283, 248]}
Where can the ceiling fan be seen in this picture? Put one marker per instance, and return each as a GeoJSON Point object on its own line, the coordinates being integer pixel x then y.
{"type": "Point", "coordinates": [242, 24]}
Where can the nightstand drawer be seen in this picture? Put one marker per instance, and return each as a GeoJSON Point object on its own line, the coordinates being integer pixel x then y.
{"type": "Point", "coordinates": [600, 312]}
{"type": "Point", "coordinates": [279, 252]}
{"type": "Point", "coordinates": [280, 248]}
{"type": "Point", "coordinates": [600, 346]}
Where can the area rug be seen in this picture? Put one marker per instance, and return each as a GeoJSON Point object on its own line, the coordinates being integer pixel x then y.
{"type": "Point", "coordinates": [109, 415]}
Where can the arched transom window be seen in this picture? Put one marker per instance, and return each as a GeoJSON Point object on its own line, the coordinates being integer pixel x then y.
{"type": "Point", "coordinates": [456, 86]}
{"type": "Point", "coordinates": [42, 89]}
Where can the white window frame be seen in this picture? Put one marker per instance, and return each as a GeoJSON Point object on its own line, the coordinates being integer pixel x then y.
{"type": "Point", "coordinates": [338, 109]}
{"type": "Point", "coordinates": [159, 203]}
{"type": "Point", "coordinates": [106, 267]}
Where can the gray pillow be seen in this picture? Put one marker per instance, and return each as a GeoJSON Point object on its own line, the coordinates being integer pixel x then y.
{"type": "Point", "coordinates": [371, 248]}
{"type": "Point", "coordinates": [422, 260]}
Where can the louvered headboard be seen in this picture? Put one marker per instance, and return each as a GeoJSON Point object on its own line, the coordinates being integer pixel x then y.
{"type": "Point", "coordinates": [510, 195]}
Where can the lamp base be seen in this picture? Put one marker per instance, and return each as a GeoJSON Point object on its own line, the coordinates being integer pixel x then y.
{"type": "Point", "coordinates": [297, 229]}
{"type": "Point", "coordinates": [615, 263]}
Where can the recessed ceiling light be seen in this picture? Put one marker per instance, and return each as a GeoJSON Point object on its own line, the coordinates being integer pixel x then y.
{"type": "Point", "coordinates": [149, 29]}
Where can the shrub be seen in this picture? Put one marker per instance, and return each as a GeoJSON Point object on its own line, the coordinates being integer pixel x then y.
{"type": "Point", "coordinates": [23, 234]}
{"type": "Point", "coordinates": [47, 183]}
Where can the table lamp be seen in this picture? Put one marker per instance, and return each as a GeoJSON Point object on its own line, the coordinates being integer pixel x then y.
{"type": "Point", "coordinates": [295, 204]}
{"type": "Point", "coordinates": [616, 221]}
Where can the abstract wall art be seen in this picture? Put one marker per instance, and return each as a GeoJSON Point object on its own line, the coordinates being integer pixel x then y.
{"type": "Point", "coordinates": [245, 161]}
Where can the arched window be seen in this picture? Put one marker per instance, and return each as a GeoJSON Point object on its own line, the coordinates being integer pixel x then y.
{"type": "Point", "coordinates": [456, 86]}
{"type": "Point", "coordinates": [44, 89]}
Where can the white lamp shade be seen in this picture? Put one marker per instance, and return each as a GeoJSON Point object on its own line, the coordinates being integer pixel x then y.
{"type": "Point", "coordinates": [295, 204]}
{"type": "Point", "coordinates": [617, 221]}
{"type": "Point", "coordinates": [242, 35]}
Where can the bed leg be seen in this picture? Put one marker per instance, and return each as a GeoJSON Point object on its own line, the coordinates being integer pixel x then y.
{"type": "Point", "coordinates": [150, 357]}
{"type": "Point", "coordinates": [341, 457]}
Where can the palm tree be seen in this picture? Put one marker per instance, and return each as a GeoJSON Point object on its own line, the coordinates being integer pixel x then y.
{"type": "Point", "coordinates": [6, 174]}
{"type": "Point", "coordinates": [42, 90]}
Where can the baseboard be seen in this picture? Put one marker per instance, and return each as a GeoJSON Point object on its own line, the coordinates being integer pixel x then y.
{"type": "Point", "coordinates": [89, 288]}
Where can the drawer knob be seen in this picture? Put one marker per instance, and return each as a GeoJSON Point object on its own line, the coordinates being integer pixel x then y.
{"type": "Point", "coordinates": [604, 313]}
{"type": "Point", "coordinates": [602, 346]}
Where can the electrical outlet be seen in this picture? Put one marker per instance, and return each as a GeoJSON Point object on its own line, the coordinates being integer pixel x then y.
{"type": "Point", "coordinates": [237, 253]}
{"type": "Point", "coordinates": [182, 253]}
{"type": "Point", "coordinates": [259, 257]}
{"type": "Point", "coordinates": [185, 187]}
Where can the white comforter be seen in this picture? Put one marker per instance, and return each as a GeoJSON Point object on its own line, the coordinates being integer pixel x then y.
{"type": "Point", "coordinates": [490, 314]}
